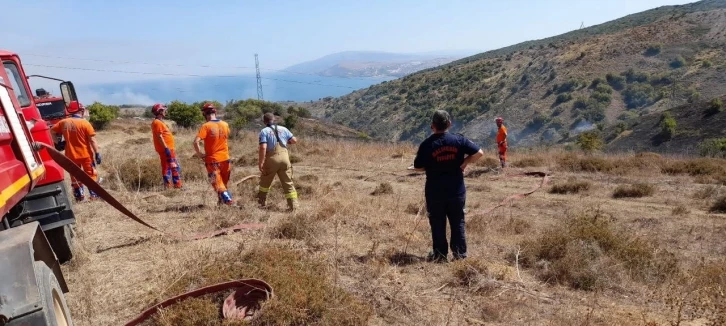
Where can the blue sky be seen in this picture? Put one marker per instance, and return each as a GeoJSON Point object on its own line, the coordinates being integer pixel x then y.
{"type": "Point", "coordinates": [226, 34]}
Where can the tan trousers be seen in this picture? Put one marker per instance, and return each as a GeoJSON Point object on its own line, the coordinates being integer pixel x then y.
{"type": "Point", "coordinates": [277, 163]}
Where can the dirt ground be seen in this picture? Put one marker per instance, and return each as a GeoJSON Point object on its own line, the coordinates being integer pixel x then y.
{"type": "Point", "coordinates": [372, 246]}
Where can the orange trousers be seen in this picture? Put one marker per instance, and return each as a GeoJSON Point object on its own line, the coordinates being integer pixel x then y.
{"type": "Point", "coordinates": [502, 154]}
{"type": "Point", "coordinates": [218, 173]}
{"type": "Point", "coordinates": [89, 167]}
{"type": "Point", "coordinates": [170, 170]}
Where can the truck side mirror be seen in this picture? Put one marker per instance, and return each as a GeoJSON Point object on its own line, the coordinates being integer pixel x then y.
{"type": "Point", "coordinates": [68, 92]}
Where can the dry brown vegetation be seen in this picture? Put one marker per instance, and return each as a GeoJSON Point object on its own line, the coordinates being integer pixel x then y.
{"type": "Point", "coordinates": [350, 258]}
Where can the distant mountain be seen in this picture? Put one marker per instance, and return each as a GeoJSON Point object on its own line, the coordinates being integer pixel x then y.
{"type": "Point", "coordinates": [375, 64]}
{"type": "Point", "coordinates": [608, 76]}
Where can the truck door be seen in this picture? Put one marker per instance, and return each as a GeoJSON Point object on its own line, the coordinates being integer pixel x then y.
{"type": "Point", "coordinates": [17, 125]}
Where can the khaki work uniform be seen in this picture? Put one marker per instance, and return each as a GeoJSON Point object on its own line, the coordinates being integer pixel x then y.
{"type": "Point", "coordinates": [277, 162]}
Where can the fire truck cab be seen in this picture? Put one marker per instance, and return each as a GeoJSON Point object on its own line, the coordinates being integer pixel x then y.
{"type": "Point", "coordinates": [47, 201]}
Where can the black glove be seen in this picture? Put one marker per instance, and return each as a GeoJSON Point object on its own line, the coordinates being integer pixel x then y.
{"type": "Point", "coordinates": [60, 146]}
{"type": "Point", "coordinates": [98, 158]}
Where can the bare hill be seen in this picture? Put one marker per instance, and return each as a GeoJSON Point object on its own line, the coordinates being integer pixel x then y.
{"type": "Point", "coordinates": [549, 90]}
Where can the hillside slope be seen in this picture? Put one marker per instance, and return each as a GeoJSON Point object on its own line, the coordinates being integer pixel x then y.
{"type": "Point", "coordinates": [551, 89]}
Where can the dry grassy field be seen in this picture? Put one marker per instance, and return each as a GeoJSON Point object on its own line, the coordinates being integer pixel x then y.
{"type": "Point", "coordinates": [626, 240]}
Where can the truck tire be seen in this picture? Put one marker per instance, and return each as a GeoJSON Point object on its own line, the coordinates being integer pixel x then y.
{"type": "Point", "coordinates": [54, 302]}
{"type": "Point", "coordinates": [61, 240]}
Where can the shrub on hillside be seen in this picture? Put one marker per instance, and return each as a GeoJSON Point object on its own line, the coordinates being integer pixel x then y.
{"type": "Point", "coordinates": [633, 191]}
{"type": "Point", "coordinates": [652, 50]}
{"type": "Point", "coordinates": [290, 121]}
{"type": "Point", "coordinates": [140, 174]}
{"type": "Point", "coordinates": [567, 87]}
{"type": "Point", "coordinates": [589, 141]}
{"type": "Point", "coordinates": [715, 147]}
{"type": "Point", "coordinates": [185, 115]}
{"type": "Point", "coordinates": [617, 82]}
{"type": "Point", "coordinates": [639, 95]}
{"type": "Point", "coordinates": [667, 126]}
{"type": "Point", "coordinates": [678, 62]}
{"type": "Point", "coordinates": [101, 115]}
{"type": "Point", "coordinates": [562, 98]}
{"type": "Point", "coordinates": [632, 76]}
{"type": "Point", "coordinates": [715, 106]}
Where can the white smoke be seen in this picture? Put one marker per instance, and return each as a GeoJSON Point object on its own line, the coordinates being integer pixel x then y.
{"type": "Point", "coordinates": [583, 125]}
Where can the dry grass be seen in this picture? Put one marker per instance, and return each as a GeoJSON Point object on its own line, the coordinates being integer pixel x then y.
{"type": "Point", "coordinates": [637, 190]}
{"type": "Point", "coordinates": [347, 257]}
{"type": "Point", "coordinates": [587, 251]}
{"type": "Point", "coordinates": [303, 295]}
{"type": "Point", "coordinates": [384, 188]}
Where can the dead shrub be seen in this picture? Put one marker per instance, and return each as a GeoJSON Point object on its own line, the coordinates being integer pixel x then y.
{"type": "Point", "coordinates": [144, 129]}
{"type": "Point", "coordinates": [696, 167]}
{"type": "Point", "coordinates": [516, 226]}
{"type": "Point", "coordinates": [637, 190]}
{"type": "Point", "coordinates": [140, 174]}
{"type": "Point", "coordinates": [528, 161]}
{"type": "Point", "coordinates": [706, 192]}
{"type": "Point", "coordinates": [571, 186]}
{"type": "Point", "coordinates": [298, 227]}
{"type": "Point", "coordinates": [587, 251]}
{"type": "Point", "coordinates": [413, 208]}
{"type": "Point", "coordinates": [488, 162]}
{"type": "Point", "coordinates": [192, 169]}
{"type": "Point", "coordinates": [384, 188]}
{"type": "Point", "coordinates": [248, 159]}
{"type": "Point", "coordinates": [719, 206]}
{"type": "Point", "coordinates": [303, 293]}
{"type": "Point", "coordinates": [698, 293]}
{"type": "Point", "coordinates": [469, 272]}
{"type": "Point", "coordinates": [571, 162]}
{"type": "Point", "coordinates": [680, 210]}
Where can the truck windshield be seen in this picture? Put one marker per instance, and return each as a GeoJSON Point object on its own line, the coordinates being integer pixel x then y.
{"type": "Point", "coordinates": [53, 109]}
{"type": "Point", "coordinates": [17, 83]}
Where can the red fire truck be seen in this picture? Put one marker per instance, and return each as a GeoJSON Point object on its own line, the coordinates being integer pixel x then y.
{"type": "Point", "coordinates": [35, 210]}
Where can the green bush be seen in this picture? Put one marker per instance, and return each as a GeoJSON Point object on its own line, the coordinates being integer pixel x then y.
{"type": "Point", "coordinates": [617, 82]}
{"type": "Point", "coordinates": [631, 76]}
{"type": "Point", "coordinates": [562, 98]}
{"type": "Point", "coordinates": [653, 50]}
{"type": "Point", "coordinates": [300, 112]}
{"type": "Point", "coordinates": [678, 62]}
{"type": "Point", "coordinates": [567, 86]}
{"type": "Point", "coordinates": [290, 121]}
{"type": "Point", "coordinates": [639, 95]}
{"type": "Point", "coordinates": [101, 115]}
{"type": "Point", "coordinates": [185, 115]}
{"type": "Point", "coordinates": [589, 141]}
{"type": "Point", "coordinates": [667, 126]}
{"type": "Point", "coordinates": [714, 147]}
{"type": "Point", "coordinates": [715, 106]}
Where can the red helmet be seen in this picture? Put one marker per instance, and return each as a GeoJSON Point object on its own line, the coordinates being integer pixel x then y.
{"type": "Point", "coordinates": [209, 108]}
{"type": "Point", "coordinates": [499, 120]}
{"type": "Point", "coordinates": [158, 108]}
{"type": "Point", "coordinates": [75, 106]}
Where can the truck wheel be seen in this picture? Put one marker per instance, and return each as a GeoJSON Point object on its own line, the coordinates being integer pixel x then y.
{"type": "Point", "coordinates": [61, 240]}
{"type": "Point", "coordinates": [54, 302]}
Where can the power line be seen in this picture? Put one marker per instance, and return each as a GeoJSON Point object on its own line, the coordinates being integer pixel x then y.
{"type": "Point", "coordinates": [182, 75]}
{"type": "Point", "coordinates": [185, 65]}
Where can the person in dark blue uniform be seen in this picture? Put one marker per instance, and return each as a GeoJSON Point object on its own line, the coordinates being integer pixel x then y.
{"type": "Point", "coordinates": [444, 157]}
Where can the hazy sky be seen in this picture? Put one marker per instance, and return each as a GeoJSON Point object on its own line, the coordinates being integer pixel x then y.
{"type": "Point", "coordinates": [226, 34]}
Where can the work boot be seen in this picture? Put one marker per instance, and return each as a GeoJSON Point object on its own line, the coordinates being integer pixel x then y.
{"type": "Point", "coordinates": [262, 198]}
{"type": "Point", "coordinates": [292, 204]}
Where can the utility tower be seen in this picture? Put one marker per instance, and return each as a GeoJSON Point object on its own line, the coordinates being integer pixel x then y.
{"type": "Point", "coordinates": [259, 79]}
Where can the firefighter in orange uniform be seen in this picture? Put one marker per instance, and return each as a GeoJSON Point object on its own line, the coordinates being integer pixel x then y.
{"type": "Point", "coordinates": [164, 145]}
{"type": "Point", "coordinates": [79, 142]}
{"type": "Point", "coordinates": [214, 133]}
{"type": "Point", "coordinates": [502, 141]}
